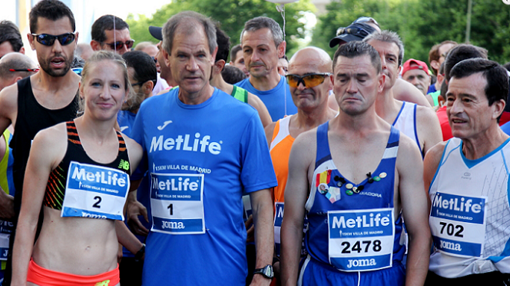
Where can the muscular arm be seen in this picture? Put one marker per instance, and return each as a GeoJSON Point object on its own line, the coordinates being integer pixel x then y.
{"type": "Point", "coordinates": [47, 150]}
{"type": "Point", "coordinates": [429, 129]}
{"type": "Point", "coordinates": [261, 108]}
{"type": "Point", "coordinates": [296, 193]}
{"type": "Point", "coordinates": [269, 133]}
{"type": "Point", "coordinates": [262, 208]}
{"type": "Point", "coordinates": [414, 206]}
{"type": "Point", "coordinates": [430, 165]}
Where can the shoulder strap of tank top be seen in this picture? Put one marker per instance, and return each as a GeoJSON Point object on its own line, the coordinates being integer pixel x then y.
{"type": "Point", "coordinates": [122, 143]}
{"type": "Point", "coordinates": [72, 134]}
{"type": "Point", "coordinates": [323, 153]}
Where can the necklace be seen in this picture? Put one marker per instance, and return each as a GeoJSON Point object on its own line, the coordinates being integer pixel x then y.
{"type": "Point", "coordinates": [351, 189]}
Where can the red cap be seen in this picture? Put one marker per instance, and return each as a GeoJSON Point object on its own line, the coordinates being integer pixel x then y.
{"type": "Point", "coordinates": [412, 64]}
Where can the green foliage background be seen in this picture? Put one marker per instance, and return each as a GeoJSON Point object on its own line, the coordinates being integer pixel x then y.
{"type": "Point", "coordinates": [231, 13]}
{"type": "Point", "coordinates": [424, 23]}
{"type": "Point", "coordinates": [420, 23]}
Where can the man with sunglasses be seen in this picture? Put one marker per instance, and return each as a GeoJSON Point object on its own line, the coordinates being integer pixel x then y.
{"type": "Point", "coordinates": [352, 177]}
{"type": "Point", "coordinates": [309, 78]}
{"type": "Point", "coordinates": [263, 45]}
{"type": "Point", "coordinates": [47, 97]}
{"type": "Point", "coordinates": [111, 33]}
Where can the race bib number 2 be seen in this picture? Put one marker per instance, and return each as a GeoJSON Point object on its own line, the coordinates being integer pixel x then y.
{"type": "Point", "coordinates": [457, 224]}
{"type": "Point", "coordinates": [361, 240]}
{"type": "Point", "coordinates": [177, 203]}
{"type": "Point", "coordinates": [95, 192]}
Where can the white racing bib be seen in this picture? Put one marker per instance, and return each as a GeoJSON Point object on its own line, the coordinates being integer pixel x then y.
{"type": "Point", "coordinates": [361, 240]}
{"type": "Point", "coordinates": [5, 233]}
{"type": "Point", "coordinates": [457, 224]}
{"type": "Point", "coordinates": [95, 192]}
{"type": "Point", "coordinates": [177, 203]}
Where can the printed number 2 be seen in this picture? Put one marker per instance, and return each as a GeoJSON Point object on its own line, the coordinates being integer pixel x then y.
{"type": "Point", "coordinates": [98, 200]}
{"type": "Point", "coordinates": [171, 207]}
{"type": "Point", "coordinates": [450, 229]}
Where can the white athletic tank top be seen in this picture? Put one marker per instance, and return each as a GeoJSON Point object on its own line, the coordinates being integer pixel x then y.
{"type": "Point", "coordinates": [470, 212]}
{"type": "Point", "coordinates": [406, 122]}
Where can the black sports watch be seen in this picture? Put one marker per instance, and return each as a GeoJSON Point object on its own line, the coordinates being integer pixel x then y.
{"type": "Point", "coordinates": [267, 271]}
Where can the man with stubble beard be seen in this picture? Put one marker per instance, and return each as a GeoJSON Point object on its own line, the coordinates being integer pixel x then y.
{"type": "Point", "coordinates": [45, 98]}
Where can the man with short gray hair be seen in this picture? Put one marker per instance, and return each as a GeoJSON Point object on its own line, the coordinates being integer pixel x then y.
{"type": "Point", "coordinates": [200, 163]}
{"type": "Point", "coordinates": [418, 122]}
{"type": "Point", "coordinates": [263, 45]}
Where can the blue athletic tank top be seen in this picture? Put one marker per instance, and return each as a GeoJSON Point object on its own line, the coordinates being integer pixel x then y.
{"type": "Point", "coordinates": [330, 192]}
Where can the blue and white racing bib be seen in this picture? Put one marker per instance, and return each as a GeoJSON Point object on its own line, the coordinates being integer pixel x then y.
{"type": "Point", "coordinates": [177, 203]}
{"type": "Point", "coordinates": [95, 192]}
{"type": "Point", "coordinates": [5, 234]}
{"type": "Point", "coordinates": [361, 240]}
{"type": "Point", "coordinates": [457, 224]}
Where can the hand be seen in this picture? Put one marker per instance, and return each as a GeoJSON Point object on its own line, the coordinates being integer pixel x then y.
{"type": "Point", "coordinates": [134, 209]}
{"type": "Point", "coordinates": [260, 280]}
{"type": "Point", "coordinates": [250, 229]}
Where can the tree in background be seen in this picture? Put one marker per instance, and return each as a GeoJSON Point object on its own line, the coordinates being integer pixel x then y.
{"type": "Point", "coordinates": [423, 23]}
{"type": "Point", "coordinates": [232, 14]}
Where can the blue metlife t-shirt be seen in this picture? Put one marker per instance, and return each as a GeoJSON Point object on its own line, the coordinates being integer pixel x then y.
{"type": "Point", "coordinates": [275, 99]}
{"type": "Point", "coordinates": [201, 159]}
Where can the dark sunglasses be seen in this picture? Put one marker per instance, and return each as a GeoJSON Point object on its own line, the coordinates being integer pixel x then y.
{"type": "Point", "coordinates": [309, 80]}
{"type": "Point", "coordinates": [23, 70]}
{"type": "Point", "coordinates": [353, 31]}
{"type": "Point", "coordinates": [49, 40]}
{"type": "Point", "coordinates": [119, 45]}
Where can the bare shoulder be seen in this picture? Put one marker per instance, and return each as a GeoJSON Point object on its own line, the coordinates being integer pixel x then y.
{"type": "Point", "coordinates": [405, 91]}
{"type": "Point", "coordinates": [408, 153]}
{"type": "Point", "coordinates": [306, 141]}
{"type": "Point", "coordinates": [9, 99]}
{"type": "Point", "coordinates": [269, 130]}
{"type": "Point", "coordinates": [303, 150]}
{"type": "Point", "coordinates": [135, 151]}
{"type": "Point", "coordinates": [52, 134]}
{"type": "Point", "coordinates": [425, 113]}
{"type": "Point", "coordinates": [50, 144]}
{"type": "Point", "coordinates": [434, 155]}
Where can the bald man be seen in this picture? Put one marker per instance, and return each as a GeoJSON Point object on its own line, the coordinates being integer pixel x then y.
{"type": "Point", "coordinates": [310, 80]}
{"type": "Point", "coordinates": [15, 66]}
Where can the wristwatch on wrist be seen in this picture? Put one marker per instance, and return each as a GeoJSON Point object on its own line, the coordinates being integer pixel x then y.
{"type": "Point", "coordinates": [267, 271]}
{"type": "Point", "coordinates": [141, 252]}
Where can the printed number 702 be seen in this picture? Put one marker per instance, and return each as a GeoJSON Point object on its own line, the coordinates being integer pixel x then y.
{"type": "Point", "coordinates": [450, 229]}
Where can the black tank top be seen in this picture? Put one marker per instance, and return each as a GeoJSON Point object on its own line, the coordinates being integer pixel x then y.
{"type": "Point", "coordinates": [56, 187]}
{"type": "Point", "coordinates": [31, 118]}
